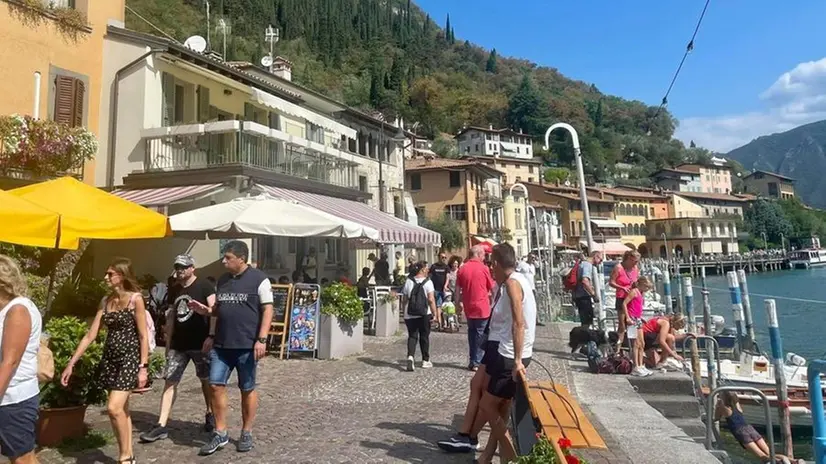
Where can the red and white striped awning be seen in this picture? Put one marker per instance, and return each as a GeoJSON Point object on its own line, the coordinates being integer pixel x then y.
{"type": "Point", "coordinates": [391, 229]}
{"type": "Point", "coordinates": [159, 198]}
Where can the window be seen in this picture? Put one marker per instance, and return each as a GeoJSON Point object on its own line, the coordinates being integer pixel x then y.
{"type": "Point", "coordinates": [519, 178]}
{"type": "Point", "coordinates": [573, 227]}
{"type": "Point", "coordinates": [518, 218]}
{"type": "Point", "coordinates": [333, 251]}
{"type": "Point", "coordinates": [457, 212]}
{"type": "Point", "coordinates": [530, 179]}
{"type": "Point", "coordinates": [292, 245]}
{"type": "Point", "coordinates": [476, 147]}
{"type": "Point", "coordinates": [475, 217]}
{"type": "Point", "coordinates": [419, 212]}
{"type": "Point", "coordinates": [455, 178]}
{"type": "Point", "coordinates": [173, 100]}
{"type": "Point", "coordinates": [69, 93]}
{"type": "Point", "coordinates": [530, 169]}
{"type": "Point", "coordinates": [363, 183]}
{"type": "Point", "coordinates": [652, 212]}
{"type": "Point", "coordinates": [415, 181]}
{"type": "Point", "coordinates": [315, 133]}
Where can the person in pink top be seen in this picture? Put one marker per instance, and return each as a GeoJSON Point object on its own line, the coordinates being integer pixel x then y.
{"type": "Point", "coordinates": [622, 278]}
{"type": "Point", "coordinates": [633, 304]}
{"type": "Point", "coordinates": [473, 287]}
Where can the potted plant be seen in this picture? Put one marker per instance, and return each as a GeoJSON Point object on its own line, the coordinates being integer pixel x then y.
{"type": "Point", "coordinates": [543, 452]}
{"type": "Point", "coordinates": [342, 322]}
{"type": "Point", "coordinates": [387, 314]}
{"type": "Point", "coordinates": [62, 409]}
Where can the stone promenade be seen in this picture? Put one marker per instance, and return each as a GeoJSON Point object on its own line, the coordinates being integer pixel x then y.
{"type": "Point", "coordinates": [364, 409]}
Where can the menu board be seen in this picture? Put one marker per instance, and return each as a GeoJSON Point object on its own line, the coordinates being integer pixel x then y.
{"type": "Point", "coordinates": [304, 312]}
{"type": "Point", "coordinates": [281, 302]}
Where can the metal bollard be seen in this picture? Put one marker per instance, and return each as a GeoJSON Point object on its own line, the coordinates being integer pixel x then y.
{"type": "Point", "coordinates": [667, 292]}
{"type": "Point", "coordinates": [747, 314]}
{"type": "Point", "coordinates": [736, 306]}
{"type": "Point", "coordinates": [780, 377]}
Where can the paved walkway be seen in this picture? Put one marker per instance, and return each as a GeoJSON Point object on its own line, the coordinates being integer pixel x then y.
{"type": "Point", "coordinates": [362, 410]}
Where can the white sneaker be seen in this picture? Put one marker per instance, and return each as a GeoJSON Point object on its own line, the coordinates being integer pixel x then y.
{"type": "Point", "coordinates": [638, 372]}
{"type": "Point", "coordinates": [411, 365]}
{"type": "Point", "coordinates": [427, 364]}
{"type": "Point", "coordinates": [674, 364]}
{"type": "Point", "coordinates": [645, 371]}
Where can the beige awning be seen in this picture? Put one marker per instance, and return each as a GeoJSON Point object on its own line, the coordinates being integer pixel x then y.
{"type": "Point", "coordinates": [292, 109]}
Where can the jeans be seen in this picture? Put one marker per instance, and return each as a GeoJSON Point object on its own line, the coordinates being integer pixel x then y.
{"type": "Point", "coordinates": [418, 331]}
{"type": "Point", "coordinates": [223, 361]}
{"type": "Point", "coordinates": [476, 340]}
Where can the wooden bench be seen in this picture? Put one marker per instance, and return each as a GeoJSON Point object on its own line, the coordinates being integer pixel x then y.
{"type": "Point", "coordinates": [548, 408]}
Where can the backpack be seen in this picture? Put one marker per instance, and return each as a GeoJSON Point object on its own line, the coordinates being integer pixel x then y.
{"type": "Point", "coordinates": [594, 355]}
{"type": "Point", "coordinates": [617, 363]}
{"type": "Point", "coordinates": [572, 279]}
{"type": "Point", "coordinates": [417, 303]}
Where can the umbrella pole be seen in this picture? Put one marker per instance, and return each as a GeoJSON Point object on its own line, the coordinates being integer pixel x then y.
{"type": "Point", "coordinates": [50, 289]}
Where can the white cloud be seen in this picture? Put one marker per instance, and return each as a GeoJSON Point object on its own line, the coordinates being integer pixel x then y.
{"type": "Point", "coordinates": [797, 97]}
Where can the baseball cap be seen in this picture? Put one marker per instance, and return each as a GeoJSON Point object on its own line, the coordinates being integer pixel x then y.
{"type": "Point", "coordinates": [184, 260]}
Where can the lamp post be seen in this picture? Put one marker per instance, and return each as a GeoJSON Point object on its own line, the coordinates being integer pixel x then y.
{"type": "Point", "coordinates": [765, 242]}
{"type": "Point", "coordinates": [783, 242]}
{"type": "Point", "coordinates": [667, 260]}
{"type": "Point", "coordinates": [580, 175]}
{"type": "Point", "coordinates": [527, 206]}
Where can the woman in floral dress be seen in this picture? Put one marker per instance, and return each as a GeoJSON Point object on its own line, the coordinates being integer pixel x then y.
{"type": "Point", "coordinates": [123, 367]}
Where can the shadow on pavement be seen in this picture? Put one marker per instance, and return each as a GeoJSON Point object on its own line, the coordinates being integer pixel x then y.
{"type": "Point", "coordinates": [398, 365]}
{"type": "Point", "coordinates": [182, 433]}
{"type": "Point", "coordinates": [423, 448]}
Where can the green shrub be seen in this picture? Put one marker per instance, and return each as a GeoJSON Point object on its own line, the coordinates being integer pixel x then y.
{"type": "Point", "coordinates": [342, 301]}
{"type": "Point", "coordinates": [79, 296]}
{"type": "Point", "coordinates": [84, 388]}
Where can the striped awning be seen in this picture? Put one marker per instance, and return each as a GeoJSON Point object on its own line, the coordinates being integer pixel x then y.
{"type": "Point", "coordinates": [391, 229]}
{"type": "Point", "coordinates": [159, 199]}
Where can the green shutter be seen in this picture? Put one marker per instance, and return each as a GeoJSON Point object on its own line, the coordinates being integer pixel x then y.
{"type": "Point", "coordinates": [203, 104]}
{"type": "Point", "coordinates": [168, 90]}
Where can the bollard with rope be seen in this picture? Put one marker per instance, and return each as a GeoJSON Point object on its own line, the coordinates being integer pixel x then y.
{"type": "Point", "coordinates": [747, 314]}
{"type": "Point", "coordinates": [667, 292]}
{"type": "Point", "coordinates": [736, 306]}
{"type": "Point", "coordinates": [780, 378]}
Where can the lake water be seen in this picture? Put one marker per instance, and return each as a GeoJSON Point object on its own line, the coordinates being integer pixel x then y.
{"type": "Point", "coordinates": [800, 297]}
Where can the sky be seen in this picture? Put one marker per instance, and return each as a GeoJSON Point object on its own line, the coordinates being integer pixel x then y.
{"type": "Point", "coordinates": [758, 66]}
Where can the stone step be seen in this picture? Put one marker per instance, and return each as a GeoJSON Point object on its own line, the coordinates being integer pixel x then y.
{"type": "Point", "coordinates": [693, 427]}
{"type": "Point", "coordinates": [673, 406]}
{"type": "Point", "coordinates": [670, 382]}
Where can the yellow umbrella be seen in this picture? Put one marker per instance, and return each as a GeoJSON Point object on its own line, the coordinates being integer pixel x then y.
{"type": "Point", "coordinates": [25, 223]}
{"type": "Point", "coordinates": [88, 212]}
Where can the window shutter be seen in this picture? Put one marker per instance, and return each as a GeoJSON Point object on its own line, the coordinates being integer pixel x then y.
{"type": "Point", "coordinates": [203, 104]}
{"type": "Point", "coordinates": [249, 112]}
{"type": "Point", "coordinates": [77, 109]}
{"type": "Point", "coordinates": [168, 110]}
{"type": "Point", "coordinates": [64, 99]}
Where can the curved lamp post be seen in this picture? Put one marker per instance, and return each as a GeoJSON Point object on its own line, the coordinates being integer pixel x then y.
{"type": "Point", "coordinates": [527, 210]}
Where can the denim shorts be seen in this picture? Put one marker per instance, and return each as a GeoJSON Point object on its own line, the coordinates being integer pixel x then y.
{"type": "Point", "coordinates": [223, 361]}
{"type": "Point", "coordinates": [17, 427]}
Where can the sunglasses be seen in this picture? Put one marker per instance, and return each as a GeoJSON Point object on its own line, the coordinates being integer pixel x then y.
{"type": "Point", "coordinates": [178, 267]}
{"type": "Point", "coordinates": [111, 274]}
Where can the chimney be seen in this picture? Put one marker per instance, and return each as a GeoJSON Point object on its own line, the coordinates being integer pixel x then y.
{"type": "Point", "coordinates": [490, 126]}
{"type": "Point", "coordinates": [282, 68]}
{"type": "Point", "coordinates": [520, 130]}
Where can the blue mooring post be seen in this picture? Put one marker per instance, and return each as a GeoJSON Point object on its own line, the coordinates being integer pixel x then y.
{"type": "Point", "coordinates": [667, 291]}
{"type": "Point", "coordinates": [688, 291]}
{"type": "Point", "coordinates": [747, 314]}
{"type": "Point", "coordinates": [818, 420]}
{"type": "Point", "coordinates": [780, 378]}
{"type": "Point", "coordinates": [736, 306]}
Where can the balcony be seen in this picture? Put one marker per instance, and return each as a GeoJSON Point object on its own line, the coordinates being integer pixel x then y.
{"type": "Point", "coordinates": [245, 144]}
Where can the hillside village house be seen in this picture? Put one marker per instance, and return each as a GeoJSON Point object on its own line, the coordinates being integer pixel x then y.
{"type": "Point", "coordinates": [769, 185]}
{"type": "Point", "coordinates": [714, 177]}
{"type": "Point", "coordinates": [506, 143]}
{"type": "Point", "coordinates": [187, 130]}
{"type": "Point", "coordinates": [466, 191]}
{"type": "Point", "coordinates": [684, 237]}
{"type": "Point", "coordinates": [717, 204]}
{"type": "Point", "coordinates": [632, 209]}
{"type": "Point", "coordinates": [678, 180]}
{"type": "Point", "coordinates": [53, 70]}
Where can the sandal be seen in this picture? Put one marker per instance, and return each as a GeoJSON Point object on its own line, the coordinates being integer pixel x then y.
{"type": "Point", "coordinates": [128, 460]}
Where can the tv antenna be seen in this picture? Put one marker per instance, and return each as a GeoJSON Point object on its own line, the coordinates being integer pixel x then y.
{"type": "Point", "coordinates": [196, 43]}
{"type": "Point", "coordinates": [224, 28]}
{"type": "Point", "coordinates": [272, 36]}
{"type": "Point", "coordinates": [206, 3]}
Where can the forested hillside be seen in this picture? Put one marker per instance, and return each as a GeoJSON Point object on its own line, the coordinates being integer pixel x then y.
{"type": "Point", "coordinates": [390, 56]}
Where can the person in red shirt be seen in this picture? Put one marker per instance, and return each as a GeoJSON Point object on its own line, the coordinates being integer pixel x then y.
{"type": "Point", "coordinates": [474, 285]}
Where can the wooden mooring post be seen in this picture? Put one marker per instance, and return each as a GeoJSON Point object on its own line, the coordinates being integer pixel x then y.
{"type": "Point", "coordinates": [780, 378]}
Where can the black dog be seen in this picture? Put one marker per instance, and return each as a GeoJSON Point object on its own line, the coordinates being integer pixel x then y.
{"type": "Point", "coordinates": [580, 336]}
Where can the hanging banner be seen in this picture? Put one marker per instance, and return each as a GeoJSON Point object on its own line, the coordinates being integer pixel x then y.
{"type": "Point", "coordinates": [303, 317]}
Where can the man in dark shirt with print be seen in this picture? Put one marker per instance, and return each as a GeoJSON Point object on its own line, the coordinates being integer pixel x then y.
{"type": "Point", "coordinates": [438, 275]}
{"type": "Point", "coordinates": [186, 332]}
{"type": "Point", "coordinates": [237, 338]}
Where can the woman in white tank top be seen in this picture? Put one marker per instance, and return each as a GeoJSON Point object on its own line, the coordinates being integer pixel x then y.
{"type": "Point", "coordinates": [20, 327]}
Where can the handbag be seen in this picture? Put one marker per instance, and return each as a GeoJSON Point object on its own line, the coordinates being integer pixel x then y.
{"type": "Point", "coordinates": [45, 361]}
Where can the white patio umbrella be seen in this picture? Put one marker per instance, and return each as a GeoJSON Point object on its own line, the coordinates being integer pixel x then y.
{"type": "Point", "coordinates": [268, 216]}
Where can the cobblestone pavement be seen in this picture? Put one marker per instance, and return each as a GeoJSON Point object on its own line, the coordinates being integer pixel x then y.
{"type": "Point", "coordinates": [364, 409]}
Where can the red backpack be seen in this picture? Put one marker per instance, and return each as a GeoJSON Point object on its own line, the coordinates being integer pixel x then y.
{"type": "Point", "coordinates": [572, 279]}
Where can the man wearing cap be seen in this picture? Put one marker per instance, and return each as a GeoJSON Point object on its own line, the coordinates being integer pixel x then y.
{"type": "Point", "coordinates": [186, 332]}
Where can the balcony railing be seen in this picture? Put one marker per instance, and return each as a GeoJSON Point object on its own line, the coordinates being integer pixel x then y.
{"type": "Point", "coordinates": [236, 143]}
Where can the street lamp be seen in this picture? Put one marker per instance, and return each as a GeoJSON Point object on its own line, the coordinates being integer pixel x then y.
{"type": "Point", "coordinates": [783, 242]}
{"type": "Point", "coordinates": [580, 174]}
{"type": "Point", "coordinates": [765, 242]}
{"type": "Point", "coordinates": [665, 239]}
{"type": "Point", "coordinates": [527, 208]}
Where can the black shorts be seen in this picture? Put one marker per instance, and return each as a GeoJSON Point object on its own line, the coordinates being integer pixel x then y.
{"type": "Point", "coordinates": [651, 340]}
{"type": "Point", "coordinates": [491, 349]}
{"type": "Point", "coordinates": [501, 384]}
{"type": "Point", "coordinates": [746, 435]}
{"type": "Point", "coordinates": [585, 308]}
{"type": "Point", "coordinates": [18, 422]}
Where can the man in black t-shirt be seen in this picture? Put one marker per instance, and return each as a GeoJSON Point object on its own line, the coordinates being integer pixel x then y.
{"type": "Point", "coordinates": [185, 335]}
{"type": "Point", "coordinates": [438, 275]}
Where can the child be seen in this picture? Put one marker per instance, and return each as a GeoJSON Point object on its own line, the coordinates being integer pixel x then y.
{"type": "Point", "coordinates": [728, 408]}
{"type": "Point", "coordinates": [633, 304]}
{"type": "Point", "coordinates": [449, 314]}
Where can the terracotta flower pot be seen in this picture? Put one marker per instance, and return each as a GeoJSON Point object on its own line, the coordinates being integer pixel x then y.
{"type": "Point", "coordinates": [58, 424]}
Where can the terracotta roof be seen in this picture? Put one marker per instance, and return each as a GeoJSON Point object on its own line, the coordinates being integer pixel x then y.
{"type": "Point", "coordinates": [710, 196]}
{"type": "Point", "coordinates": [539, 204]}
{"type": "Point", "coordinates": [678, 171]}
{"type": "Point", "coordinates": [619, 192]}
{"type": "Point", "coordinates": [500, 159]}
{"type": "Point", "coordinates": [427, 164]}
{"type": "Point", "coordinates": [576, 197]}
{"type": "Point", "coordinates": [694, 167]}
{"type": "Point", "coordinates": [491, 131]}
{"type": "Point", "coordinates": [768, 173]}
{"type": "Point", "coordinates": [746, 196]}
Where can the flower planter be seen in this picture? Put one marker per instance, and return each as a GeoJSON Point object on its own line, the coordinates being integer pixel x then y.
{"type": "Point", "coordinates": [338, 340]}
{"type": "Point", "coordinates": [387, 318]}
{"type": "Point", "coordinates": [57, 424]}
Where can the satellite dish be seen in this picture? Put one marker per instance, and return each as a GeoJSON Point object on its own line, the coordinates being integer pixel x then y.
{"type": "Point", "coordinates": [196, 43]}
{"type": "Point", "coordinates": [266, 61]}
{"type": "Point", "coordinates": [567, 183]}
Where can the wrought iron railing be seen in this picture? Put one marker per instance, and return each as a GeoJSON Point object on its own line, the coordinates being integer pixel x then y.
{"type": "Point", "coordinates": [239, 148]}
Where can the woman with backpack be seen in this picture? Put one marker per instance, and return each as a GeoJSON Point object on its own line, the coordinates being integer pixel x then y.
{"type": "Point", "coordinates": [125, 361]}
{"type": "Point", "coordinates": [419, 303]}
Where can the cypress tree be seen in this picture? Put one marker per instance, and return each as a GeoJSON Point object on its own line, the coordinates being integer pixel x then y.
{"type": "Point", "coordinates": [491, 66]}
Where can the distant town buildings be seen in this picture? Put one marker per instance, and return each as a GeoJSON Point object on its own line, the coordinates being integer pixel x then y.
{"type": "Point", "coordinates": [769, 185]}
{"type": "Point", "coordinates": [507, 143]}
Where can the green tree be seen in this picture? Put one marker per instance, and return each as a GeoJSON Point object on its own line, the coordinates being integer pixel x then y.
{"type": "Point", "coordinates": [526, 109]}
{"type": "Point", "coordinates": [556, 174]}
{"type": "Point", "coordinates": [767, 217]}
{"type": "Point", "coordinates": [491, 65]}
{"type": "Point", "coordinates": [450, 229]}
{"type": "Point", "coordinates": [445, 147]}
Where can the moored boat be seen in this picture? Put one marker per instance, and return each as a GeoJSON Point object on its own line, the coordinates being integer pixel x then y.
{"type": "Point", "coordinates": [810, 257]}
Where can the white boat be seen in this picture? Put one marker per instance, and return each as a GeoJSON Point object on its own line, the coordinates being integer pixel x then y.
{"type": "Point", "coordinates": [807, 258]}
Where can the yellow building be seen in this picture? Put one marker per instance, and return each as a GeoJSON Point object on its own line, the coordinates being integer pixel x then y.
{"type": "Point", "coordinates": [53, 58]}
{"type": "Point", "coordinates": [462, 190]}
{"type": "Point", "coordinates": [632, 209]}
{"type": "Point", "coordinates": [515, 169]}
{"type": "Point", "coordinates": [680, 207]}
